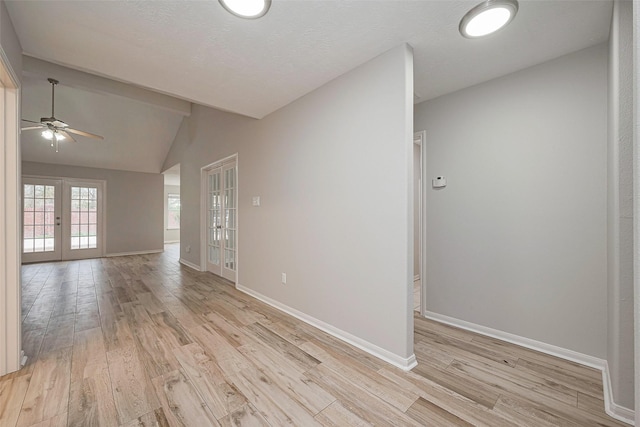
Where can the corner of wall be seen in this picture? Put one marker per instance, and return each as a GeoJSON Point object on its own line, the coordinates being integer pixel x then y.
{"type": "Point", "coordinates": [614, 410]}
{"type": "Point", "coordinates": [619, 212]}
{"type": "Point", "coordinates": [178, 146]}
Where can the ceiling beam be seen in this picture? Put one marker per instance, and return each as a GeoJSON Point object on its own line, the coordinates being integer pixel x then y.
{"type": "Point", "coordinates": [38, 68]}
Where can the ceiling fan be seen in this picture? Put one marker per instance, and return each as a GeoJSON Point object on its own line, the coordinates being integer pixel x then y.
{"type": "Point", "coordinates": [56, 130]}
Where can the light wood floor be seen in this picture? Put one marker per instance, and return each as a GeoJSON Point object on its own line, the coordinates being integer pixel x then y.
{"type": "Point", "coordinates": [143, 341]}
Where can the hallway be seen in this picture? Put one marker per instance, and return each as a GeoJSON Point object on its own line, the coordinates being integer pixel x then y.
{"type": "Point", "coordinates": [142, 340]}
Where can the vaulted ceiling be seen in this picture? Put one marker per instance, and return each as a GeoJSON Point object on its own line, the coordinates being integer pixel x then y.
{"type": "Point", "coordinates": [196, 51]}
{"type": "Point", "coordinates": [137, 135]}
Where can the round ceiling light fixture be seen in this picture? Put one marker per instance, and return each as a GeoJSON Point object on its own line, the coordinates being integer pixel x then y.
{"type": "Point", "coordinates": [248, 9]}
{"type": "Point", "coordinates": [487, 18]}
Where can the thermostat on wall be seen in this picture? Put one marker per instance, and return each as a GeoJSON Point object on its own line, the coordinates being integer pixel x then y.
{"type": "Point", "coordinates": [439, 182]}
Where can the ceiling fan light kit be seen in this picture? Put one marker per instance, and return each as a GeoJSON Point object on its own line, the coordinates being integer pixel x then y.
{"type": "Point", "coordinates": [47, 134]}
{"type": "Point", "coordinates": [487, 18]}
{"type": "Point", "coordinates": [56, 130]}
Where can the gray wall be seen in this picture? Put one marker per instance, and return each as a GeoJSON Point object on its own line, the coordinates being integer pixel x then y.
{"type": "Point", "coordinates": [9, 41]}
{"type": "Point", "coordinates": [170, 235]}
{"type": "Point", "coordinates": [517, 239]}
{"type": "Point", "coordinates": [334, 173]}
{"type": "Point", "coordinates": [134, 204]}
{"type": "Point", "coordinates": [620, 206]}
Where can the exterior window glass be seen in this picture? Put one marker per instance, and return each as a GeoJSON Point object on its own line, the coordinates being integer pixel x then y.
{"type": "Point", "coordinates": [173, 212]}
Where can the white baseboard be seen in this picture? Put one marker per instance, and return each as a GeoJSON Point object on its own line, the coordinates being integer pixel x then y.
{"type": "Point", "coordinates": [190, 264]}
{"type": "Point", "coordinates": [171, 241]}
{"type": "Point", "coordinates": [153, 251]}
{"type": "Point", "coordinates": [416, 277]}
{"type": "Point", "coordinates": [618, 412]}
{"type": "Point", "coordinates": [405, 364]}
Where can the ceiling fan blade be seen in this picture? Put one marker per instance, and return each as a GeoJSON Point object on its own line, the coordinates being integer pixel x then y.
{"type": "Point", "coordinates": [30, 121]}
{"type": "Point", "coordinates": [66, 135]}
{"type": "Point", "coordinates": [83, 133]}
{"type": "Point", "coordinates": [33, 127]}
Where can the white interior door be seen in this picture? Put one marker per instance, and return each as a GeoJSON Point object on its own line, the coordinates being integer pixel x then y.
{"type": "Point", "coordinates": [229, 223]}
{"type": "Point", "coordinates": [82, 219]}
{"type": "Point", "coordinates": [41, 220]}
{"type": "Point", "coordinates": [214, 221]}
{"type": "Point", "coordinates": [222, 221]}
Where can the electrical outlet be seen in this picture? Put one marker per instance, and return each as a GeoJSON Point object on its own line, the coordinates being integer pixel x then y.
{"type": "Point", "coordinates": [284, 278]}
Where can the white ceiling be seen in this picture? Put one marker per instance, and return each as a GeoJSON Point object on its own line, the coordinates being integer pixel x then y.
{"type": "Point", "coordinates": [196, 51]}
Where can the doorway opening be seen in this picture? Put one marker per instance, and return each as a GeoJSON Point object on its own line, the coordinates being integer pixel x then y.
{"type": "Point", "coordinates": [219, 218]}
{"type": "Point", "coordinates": [172, 209]}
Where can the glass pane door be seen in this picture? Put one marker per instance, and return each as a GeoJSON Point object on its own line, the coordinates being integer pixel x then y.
{"type": "Point", "coordinates": [214, 221]}
{"type": "Point", "coordinates": [41, 237]}
{"type": "Point", "coordinates": [222, 220]}
{"type": "Point", "coordinates": [230, 219]}
{"type": "Point", "coordinates": [82, 219]}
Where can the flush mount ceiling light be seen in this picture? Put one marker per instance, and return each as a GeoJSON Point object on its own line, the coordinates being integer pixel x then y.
{"type": "Point", "coordinates": [248, 9]}
{"type": "Point", "coordinates": [487, 18]}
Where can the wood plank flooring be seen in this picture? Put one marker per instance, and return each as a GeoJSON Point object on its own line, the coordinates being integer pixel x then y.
{"type": "Point", "coordinates": [144, 341]}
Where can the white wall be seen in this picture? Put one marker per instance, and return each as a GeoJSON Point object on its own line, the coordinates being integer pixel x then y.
{"type": "Point", "coordinates": [620, 207]}
{"type": "Point", "coordinates": [10, 80]}
{"type": "Point", "coordinates": [334, 173]}
{"type": "Point", "coordinates": [517, 240]}
{"type": "Point", "coordinates": [134, 204]}
{"type": "Point", "coordinates": [170, 235]}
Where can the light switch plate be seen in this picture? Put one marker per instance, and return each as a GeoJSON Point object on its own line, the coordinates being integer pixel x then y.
{"type": "Point", "coordinates": [256, 201]}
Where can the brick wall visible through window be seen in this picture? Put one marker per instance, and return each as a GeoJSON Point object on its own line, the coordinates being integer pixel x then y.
{"type": "Point", "coordinates": [173, 212]}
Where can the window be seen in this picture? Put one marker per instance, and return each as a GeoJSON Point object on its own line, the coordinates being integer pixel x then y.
{"type": "Point", "coordinates": [84, 218]}
{"type": "Point", "coordinates": [173, 212]}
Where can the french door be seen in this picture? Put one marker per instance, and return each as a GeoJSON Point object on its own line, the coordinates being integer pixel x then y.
{"type": "Point", "coordinates": [222, 220]}
{"type": "Point", "coordinates": [41, 219]}
{"type": "Point", "coordinates": [62, 219]}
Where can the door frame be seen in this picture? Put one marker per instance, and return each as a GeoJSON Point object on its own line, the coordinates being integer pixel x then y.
{"type": "Point", "coordinates": [204, 208]}
{"type": "Point", "coordinates": [102, 246]}
{"type": "Point", "coordinates": [11, 355]}
{"type": "Point", "coordinates": [419, 139]}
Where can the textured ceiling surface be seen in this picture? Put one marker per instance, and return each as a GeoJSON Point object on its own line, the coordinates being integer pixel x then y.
{"type": "Point", "coordinates": [197, 51]}
{"type": "Point", "coordinates": [137, 135]}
